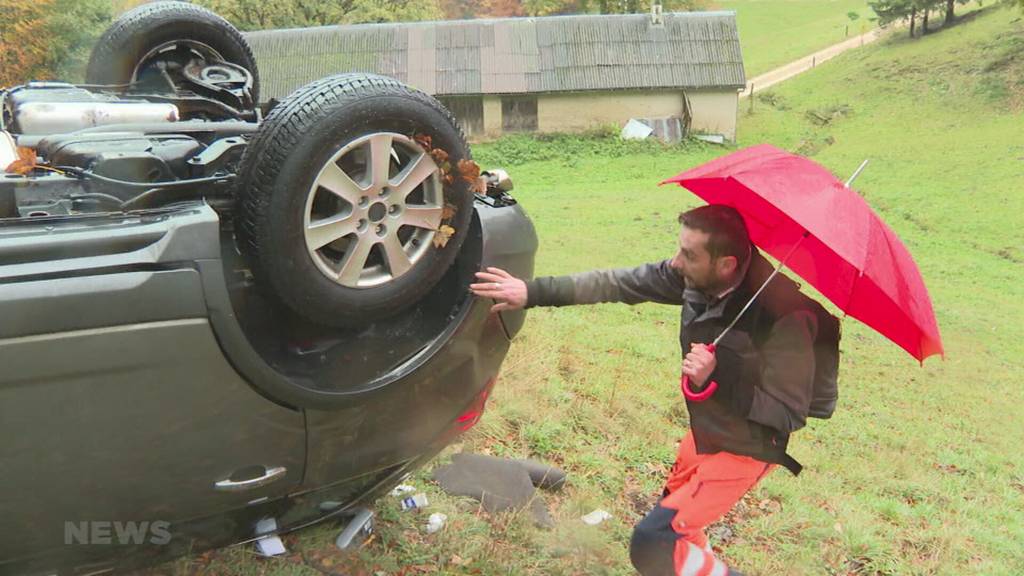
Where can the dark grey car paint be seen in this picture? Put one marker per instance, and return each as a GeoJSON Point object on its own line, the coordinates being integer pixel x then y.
{"type": "Point", "coordinates": [124, 398]}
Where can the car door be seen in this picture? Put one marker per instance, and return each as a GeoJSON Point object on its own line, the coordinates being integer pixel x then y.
{"type": "Point", "coordinates": [121, 420]}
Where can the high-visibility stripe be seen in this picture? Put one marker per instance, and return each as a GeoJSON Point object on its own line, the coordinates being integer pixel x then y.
{"type": "Point", "coordinates": [713, 566]}
{"type": "Point", "coordinates": [694, 560]}
{"type": "Point", "coordinates": [709, 564]}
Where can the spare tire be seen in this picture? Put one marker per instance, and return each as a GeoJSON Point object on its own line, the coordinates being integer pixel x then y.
{"type": "Point", "coordinates": [131, 44]}
{"type": "Point", "coordinates": [349, 207]}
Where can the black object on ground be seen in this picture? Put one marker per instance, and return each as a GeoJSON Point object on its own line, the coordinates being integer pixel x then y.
{"type": "Point", "coordinates": [501, 484]}
{"type": "Point", "coordinates": [543, 476]}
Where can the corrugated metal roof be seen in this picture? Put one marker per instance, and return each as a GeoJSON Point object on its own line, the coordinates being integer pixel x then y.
{"type": "Point", "coordinates": [512, 55]}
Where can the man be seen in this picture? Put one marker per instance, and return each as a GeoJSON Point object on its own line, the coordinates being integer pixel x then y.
{"type": "Point", "coordinates": [762, 372]}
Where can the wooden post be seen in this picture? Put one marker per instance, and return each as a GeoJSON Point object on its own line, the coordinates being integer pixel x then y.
{"type": "Point", "coordinates": [751, 98]}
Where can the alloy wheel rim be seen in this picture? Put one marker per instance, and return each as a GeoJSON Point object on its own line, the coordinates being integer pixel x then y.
{"type": "Point", "coordinates": [372, 211]}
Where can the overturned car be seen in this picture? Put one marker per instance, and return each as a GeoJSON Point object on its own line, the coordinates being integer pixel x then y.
{"type": "Point", "coordinates": [225, 318]}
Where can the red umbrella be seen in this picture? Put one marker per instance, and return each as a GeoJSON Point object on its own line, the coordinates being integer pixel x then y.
{"type": "Point", "coordinates": [798, 212]}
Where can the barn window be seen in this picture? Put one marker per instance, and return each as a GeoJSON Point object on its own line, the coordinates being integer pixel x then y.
{"type": "Point", "coordinates": [519, 113]}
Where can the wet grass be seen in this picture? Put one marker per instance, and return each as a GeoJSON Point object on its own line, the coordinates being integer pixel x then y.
{"type": "Point", "coordinates": [919, 472]}
{"type": "Point", "coordinates": [806, 26]}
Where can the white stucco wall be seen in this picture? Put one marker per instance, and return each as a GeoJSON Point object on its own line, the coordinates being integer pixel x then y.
{"type": "Point", "coordinates": [492, 117]}
{"type": "Point", "coordinates": [578, 111]}
{"type": "Point", "coordinates": [714, 112]}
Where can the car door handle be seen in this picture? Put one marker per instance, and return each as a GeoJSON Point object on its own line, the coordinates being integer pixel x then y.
{"type": "Point", "coordinates": [269, 476]}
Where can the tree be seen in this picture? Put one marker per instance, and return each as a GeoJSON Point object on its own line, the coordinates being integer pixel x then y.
{"type": "Point", "coordinates": [365, 11]}
{"type": "Point", "coordinates": [950, 7]}
{"type": "Point", "coordinates": [462, 9]}
{"type": "Point", "coordinates": [48, 39]}
{"type": "Point", "coordinates": [926, 7]}
{"type": "Point", "coordinates": [74, 26]}
{"type": "Point", "coordinates": [889, 11]}
{"type": "Point", "coordinates": [503, 8]}
{"type": "Point", "coordinates": [548, 7]}
{"type": "Point", "coordinates": [23, 44]}
{"type": "Point", "coordinates": [268, 14]}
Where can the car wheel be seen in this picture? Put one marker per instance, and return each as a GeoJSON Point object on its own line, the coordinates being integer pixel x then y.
{"type": "Point", "coordinates": [342, 213]}
{"type": "Point", "coordinates": [137, 42]}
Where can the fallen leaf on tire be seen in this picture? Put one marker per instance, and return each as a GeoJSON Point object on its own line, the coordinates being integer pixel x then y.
{"type": "Point", "coordinates": [423, 140]}
{"type": "Point", "coordinates": [448, 179]}
{"type": "Point", "coordinates": [444, 233]}
{"type": "Point", "coordinates": [480, 186]}
{"type": "Point", "coordinates": [448, 212]}
{"type": "Point", "coordinates": [469, 171]}
{"type": "Point", "coordinates": [440, 156]}
{"type": "Point", "coordinates": [25, 163]}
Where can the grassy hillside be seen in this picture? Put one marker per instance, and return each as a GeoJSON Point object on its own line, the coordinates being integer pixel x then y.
{"type": "Point", "coordinates": [919, 472]}
{"type": "Point", "coordinates": [775, 32]}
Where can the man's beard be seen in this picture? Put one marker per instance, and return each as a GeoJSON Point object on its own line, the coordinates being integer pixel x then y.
{"type": "Point", "coordinates": [709, 286]}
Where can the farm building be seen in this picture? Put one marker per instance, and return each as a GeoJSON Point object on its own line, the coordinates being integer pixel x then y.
{"type": "Point", "coordinates": [550, 74]}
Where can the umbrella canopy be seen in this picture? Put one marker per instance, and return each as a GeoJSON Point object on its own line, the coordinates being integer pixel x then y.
{"type": "Point", "coordinates": [849, 254]}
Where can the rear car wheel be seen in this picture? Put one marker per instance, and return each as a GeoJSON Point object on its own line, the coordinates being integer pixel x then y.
{"type": "Point", "coordinates": [143, 42]}
{"type": "Point", "coordinates": [342, 213]}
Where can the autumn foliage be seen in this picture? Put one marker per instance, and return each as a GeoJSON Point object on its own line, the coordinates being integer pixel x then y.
{"type": "Point", "coordinates": [24, 40]}
{"type": "Point", "coordinates": [50, 39]}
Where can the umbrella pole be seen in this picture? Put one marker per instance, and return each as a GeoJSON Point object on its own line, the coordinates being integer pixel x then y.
{"type": "Point", "coordinates": [761, 289]}
{"type": "Point", "coordinates": [780, 266]}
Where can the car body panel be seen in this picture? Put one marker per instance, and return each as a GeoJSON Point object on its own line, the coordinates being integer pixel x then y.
{"type": "Point", "coordinates": [105, 425]}
{"type": "Point", "coordinates": [124, 396]}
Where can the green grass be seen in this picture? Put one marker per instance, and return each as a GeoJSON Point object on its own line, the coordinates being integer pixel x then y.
{"type": "Point", "coordinates": [920, 470]}
{"type": "Point", "coordinates": [776, 32]}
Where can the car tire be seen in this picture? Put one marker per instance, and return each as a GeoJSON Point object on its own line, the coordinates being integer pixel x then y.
{"type": "Point", "coordinates": [311, 165]}
{"type": "Point", "coordinates": [138, 32]}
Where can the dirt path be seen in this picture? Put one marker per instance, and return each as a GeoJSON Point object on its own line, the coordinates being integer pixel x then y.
{"type": "Point", "coordinates": [795, 67]}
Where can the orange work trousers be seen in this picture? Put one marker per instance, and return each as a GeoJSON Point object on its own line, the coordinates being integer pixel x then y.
{"type": "Point", "coordinates": [701, 488]}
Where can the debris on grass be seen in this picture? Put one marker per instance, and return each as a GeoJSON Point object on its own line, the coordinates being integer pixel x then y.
{"type": "Point", "coordinates": [269, 545]}
{"type": "Point", "coordinates": [813, 145]}
{"type": "Point", "coordinates": [711, 138]}
{"type": "Point", "coordinates": [543, 476]}
{"type": "Point", "coordinates": [773, 99]}
{"type": "Point", "coordinates": [436, 522]}
{"type": "Point", "coordinates": [596, 517]}
{"type": "Point", "coordinates": [825, 116]}
{"type": "Point", "coordinates": [417, 501]}
{"type": "Point", "coordinates": [402, 489]}
{"type": "Point", "coordinates": [499, 484]}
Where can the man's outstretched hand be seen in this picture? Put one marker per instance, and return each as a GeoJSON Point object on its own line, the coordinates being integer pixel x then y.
{"type": "Point", "coordinates": [509, 291]}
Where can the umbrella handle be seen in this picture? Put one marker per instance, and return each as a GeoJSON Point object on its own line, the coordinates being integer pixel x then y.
{"type": "Point", "coordinates": [704, 394]}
